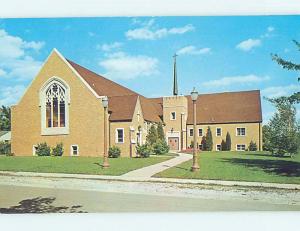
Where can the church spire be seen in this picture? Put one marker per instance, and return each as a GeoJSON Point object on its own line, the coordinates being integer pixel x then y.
{"type": "Point", "coordinates": [175, 87]}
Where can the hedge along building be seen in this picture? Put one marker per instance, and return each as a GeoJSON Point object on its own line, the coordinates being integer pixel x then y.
{"type": "Point", "coordinates": [64, 104]}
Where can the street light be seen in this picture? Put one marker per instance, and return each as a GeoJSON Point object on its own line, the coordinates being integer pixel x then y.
{"type": "Point", "coordinates": [105, 155]}
{"type": "Point", "coordinates": [194, 96]}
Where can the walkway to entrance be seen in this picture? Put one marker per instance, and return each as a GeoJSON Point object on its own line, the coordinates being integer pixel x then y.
{"type": "Point", "coordinates": [156, 168]}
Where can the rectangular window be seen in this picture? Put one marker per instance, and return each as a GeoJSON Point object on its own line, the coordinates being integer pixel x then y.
{"type": "Point", "coordinates": [200, 132]}
{"type": "Point", "coordinates": [240, 147]}
{"type": "Point", "coordinates": [48, 115]}
{"type": "Point", "coordinates": [120, 135]}
{"type": "Point", "coordinates": [191, 132]}
{"type": "Point", "coordinates": [240, 131]}
{"type": "Point", "coordinates": [62, 114]}
{"type": "Point", "coordinates": [74, 150]}
{"type": "Point", "coordinates": [55, 112]}
{"type": "Point", "coordinates": [218, 147]}
{"type": "Point", "coordinates": [173, 115]}
{"type": "Point", "coordinates": [219, 132]}
{"type": "Point", "coordinates": [200, 146]}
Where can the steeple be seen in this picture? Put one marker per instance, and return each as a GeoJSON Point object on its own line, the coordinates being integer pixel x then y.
{"type": "Point", "coordinates": [175, 87]}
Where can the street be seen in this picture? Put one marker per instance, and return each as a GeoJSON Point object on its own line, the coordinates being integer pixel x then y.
{"type": "Point", "coordinates": [39, 195]}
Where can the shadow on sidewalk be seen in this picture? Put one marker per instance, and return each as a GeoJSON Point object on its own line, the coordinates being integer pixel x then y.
{"type": "Point", "coordinates": [40, 205]}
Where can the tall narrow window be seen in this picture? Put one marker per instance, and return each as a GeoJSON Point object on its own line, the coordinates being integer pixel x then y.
{"type": "Point", "coordinates": [120, 135]}
{"type": "Point", "coordinates": [55, 106]}
{"type": "Point", "coordinates": [54, 101]}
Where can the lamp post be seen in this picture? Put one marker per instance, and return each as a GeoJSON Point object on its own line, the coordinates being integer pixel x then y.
{"type": "Point", "coordinates": [194, 96]}
{"type": "Point", "coordinates": [105, 154]}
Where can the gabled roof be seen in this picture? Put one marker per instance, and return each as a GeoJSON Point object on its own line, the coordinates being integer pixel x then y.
{"type": "Point", "coordinates": [228, 107]}
{"type": "Point", "coordinates": [100, 84]}
{"type": "Point", "coordinates": [122, 101]}
{"type": "Point", "coordinates": [121, 108]}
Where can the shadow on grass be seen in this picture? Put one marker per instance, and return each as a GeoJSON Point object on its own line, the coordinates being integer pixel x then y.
{"type": "Point", "coordinates": [279, 167]}
{"type": "Point", "coordinates": [40, 205]}
{"type": "Point", "coordinates": [268, 155]}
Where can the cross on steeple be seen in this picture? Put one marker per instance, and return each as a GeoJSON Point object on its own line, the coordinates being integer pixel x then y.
{"type": "Point", "coordinates": [175, 87]}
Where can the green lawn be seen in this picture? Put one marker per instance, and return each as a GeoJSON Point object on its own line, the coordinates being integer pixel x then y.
{"type": "Point", "coordinates": [240, 166]}
{"type": "Point", "coordinates": [83, 165]}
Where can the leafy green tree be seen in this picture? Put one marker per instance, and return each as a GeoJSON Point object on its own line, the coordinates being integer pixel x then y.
{"type": "Point", "coordinates": [152, 135]}
{"type": "Point", "coordinates": [284, 129]}
{"type": "Point", "coordinates": [209, 140]}
{"type": "Point", "coordinates": [289, 65]}
{"type": "Point", "coordinates": [228, 142]}
{"type": "Point", "coordinates": [266, 136]}
{"type": "Point", "coordinates": [5, 118]}
{"type": "Point", "coordinates": [160, 131]}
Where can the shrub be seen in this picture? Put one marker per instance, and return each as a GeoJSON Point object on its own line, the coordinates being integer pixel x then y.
{"type": "Point", "coordinates": [144, 150]}
{"type": "Point", "coordinates": [209, 140]}
{"type": "Point", "coordinates": [228, 142]}
{"type": "Point", "coordinates": [192, 144]}
{"type": "Point", "coordinates": [252, 146]}
{"type": "Point", "coordinates": [223, 146]}
{"type": "Point", "coordinates": [43, 149]}
{"type": "Point", "coordinates": [160, 147]}
{"type": "Point", "coordinates": [114, 152]}
{"type": "Point", "coordinates": [5, 148]}
{"type": "Point", "coordinates": [58, 150]}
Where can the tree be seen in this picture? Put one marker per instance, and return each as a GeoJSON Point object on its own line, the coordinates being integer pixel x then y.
{"type": "Point", "coordinates": [223, 146]}
{"type": "Point", "coordinates": [5, 118]}
{"type": "Point", "coordinates": [203, 142]}
{"type": "Point", "coordinates": [152, 135]}
{"type": "Point", "coordinates": [283, 128]}
{"type": "Point", "coordinates": [266, 136]}
{"type": "Point", "coordinates": [228, 142]}
{"type": "Point", "coordinates": [295, 98]}
{"type": "Point", "coordinates": [209, 140]}
{"type": "Point", "coordinates": [252, 146]}
{"type": "Point", "coordinates": [160, 131]}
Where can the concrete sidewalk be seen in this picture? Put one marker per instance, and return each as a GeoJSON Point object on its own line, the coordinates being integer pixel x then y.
{"type": "Point", "coordinates": [151, 170]}
{"type": "Point", "coordinates": [152, 180]}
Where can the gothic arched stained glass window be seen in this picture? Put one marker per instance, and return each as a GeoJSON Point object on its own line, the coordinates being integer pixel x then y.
{"type": "Point", "coordinates": [55, 106]}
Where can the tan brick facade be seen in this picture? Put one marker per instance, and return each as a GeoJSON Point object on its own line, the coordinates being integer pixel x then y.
{"type": "Point", "coordinates": [86, 122]}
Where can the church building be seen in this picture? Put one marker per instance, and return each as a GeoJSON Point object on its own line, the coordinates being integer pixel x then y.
{"type": "Point", "coordinates": [64, 104]}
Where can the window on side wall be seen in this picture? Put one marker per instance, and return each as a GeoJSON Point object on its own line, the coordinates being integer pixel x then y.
{"type": "Point", "coordinates": [191, 132]}
{"type": "Point", "coordinates": [240, 131]}
{"type": "Point", "coordinates": [200, 132]}
{"type": "Point", "coordinates": [74, 150]}
{"type": "Point", "coordinates": [120, 135]}
{"type": "Point", "coordinates": [173, 115]}
{"type": "Point", "coordinates": [218, 147]}
{"type": "Point", "coordinates": [240, 147]}
{"type": "Point", "coordinates": [219, 132]}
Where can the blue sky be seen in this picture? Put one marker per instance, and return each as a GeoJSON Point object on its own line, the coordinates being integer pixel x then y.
{"type": "Point", "coordinates": [216, 54]}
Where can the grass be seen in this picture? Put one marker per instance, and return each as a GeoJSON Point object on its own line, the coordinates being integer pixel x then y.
{"type": "Point", "coordinates": [81, 165]}
{"type": "Point", "coordinates": [240, 166]}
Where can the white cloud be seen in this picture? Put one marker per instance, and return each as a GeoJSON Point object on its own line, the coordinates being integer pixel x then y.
{"type": "Point", "coordinates": [109, 46]}
{"type": "Point", "coordinates": [147, 32]}
{"type": "Point", "coordinates": [192, 50]}
{"type": "Point", "coordinates": [2, 72]}
{"type": "Point", "coordinates": [228, 81]}
{"type": "Point", "coordinates": [248, 44]}
{"type": "Point", "coordinates": [270, 29]}
{"type": "Point", "coordinates": [15, 58]}
{"type": "Point", "coordinates": [123, 66]}
{"type": "Point", "coordinates": [9, 95]}
{"type": "Point", "coordinates": [277, 91]}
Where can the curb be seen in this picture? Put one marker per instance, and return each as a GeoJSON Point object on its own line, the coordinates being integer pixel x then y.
{"type": "Point", "coordinates": [154, 180]}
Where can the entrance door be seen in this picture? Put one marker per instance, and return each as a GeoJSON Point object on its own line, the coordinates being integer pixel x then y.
{"type": "Point", "coordinates": [173, 143]}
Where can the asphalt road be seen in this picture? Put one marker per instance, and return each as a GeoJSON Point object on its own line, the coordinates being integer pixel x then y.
{"type": "Point", "coordinates": [23, 199]}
